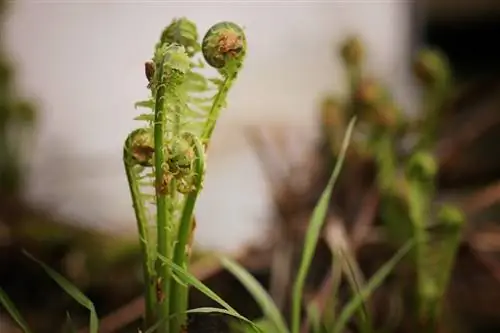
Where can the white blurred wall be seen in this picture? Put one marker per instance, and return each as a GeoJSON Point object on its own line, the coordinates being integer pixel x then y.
{"type": "Point", "coordinates": [83, 60]}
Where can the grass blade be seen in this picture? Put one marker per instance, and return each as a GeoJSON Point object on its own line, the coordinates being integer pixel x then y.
{"type": "Point", "coordinates": [314, 318]}
{"type": "Point", "coordinates": [187, 278]}
{"type": "Point", "coordinates": [375, 281]}
{"type": "Point", "coordinates": [331, 304]}
{"type": "Point", "coordinates": [72, 291]}
{"type": "Point", "coordinates": [356, 281]}
{"type": "Point", "coordinates": [13, 312]}
{"type": "Point", "coordinates": [313, 231]}
{"type": "Point", "coordinates": [260, 295]}
{"type": "Point", "coordinates": [70, 328]}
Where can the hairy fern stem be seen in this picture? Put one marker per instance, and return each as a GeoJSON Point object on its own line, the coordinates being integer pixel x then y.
{"type": "Point", "coordinates": [142, 227]}
{"type": "Point", "coordinates": [181, 249]}
{"type": "Point", "coordinates": [172, 147]}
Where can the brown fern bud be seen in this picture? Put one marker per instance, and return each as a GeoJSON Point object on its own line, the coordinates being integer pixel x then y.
{"type": "Point", "coordinates": [180, 156]}
{"type": "Point", "coordinates": [223, 43]}
{"type": "Point", "coordinates": [352, 51]}
{"type": "Point", "coordinates": [386, 115]}
{"type": "Point", "coordinates": [139, 147]}
{"type": "Point", "coordinates": [431, 66]}
{"type": "Point", "coordinates": [369, 93]}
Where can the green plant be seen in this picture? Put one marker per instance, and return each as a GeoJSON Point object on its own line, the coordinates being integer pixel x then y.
{"type": "Point", "coordinates": [165, 163]}
{"type": "Point", "coordinates": [165, 166]}
{"type": "Point", "coordinates": [404, 177]}
{"type": "Point", "coordinates": [273, 320]}
{"type": "Point", "coordinates": [167, 156]}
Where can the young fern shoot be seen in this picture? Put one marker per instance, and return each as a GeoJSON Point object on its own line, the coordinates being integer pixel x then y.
{"type": "Point", "coordinates": [167, 155]}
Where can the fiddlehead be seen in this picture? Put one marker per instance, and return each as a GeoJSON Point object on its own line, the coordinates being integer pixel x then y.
{"type": "Point", "coordinates": [433, 71]}
{"type": "Point", "coordinates": [172, 144]}
{"type": "Point", "coordinates": [182, 32]}
{"type": "Point", "coordinates": [171, 66]}
{"type": "Point", "coordinates": [379, 112]}
{"type": "Point", "coordinates": [405, 174]}
{"type": "Point", "coordinates": [224, 48]}
{"type": "Point", "coordinates": [352, 52]}
{"type": "Point", "coordinates": [137, 155]}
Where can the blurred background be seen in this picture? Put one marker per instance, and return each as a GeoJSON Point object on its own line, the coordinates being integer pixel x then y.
{"type": "Point", "coordinates": [83, 62]}
{"type": "Point", "coordinates": [80, 66]}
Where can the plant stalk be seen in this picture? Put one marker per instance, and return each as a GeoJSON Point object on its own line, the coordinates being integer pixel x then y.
{"type": "Point", "coordinates": [313, 233]}
{"type": "Point", "coordinates": [216, 107]}
{"type": "Point", "coordinates": [163, 271]}
{"type": "Point", "coordinates": [142, 227]}
{"type": "Point", "coordinates": [179, 300]}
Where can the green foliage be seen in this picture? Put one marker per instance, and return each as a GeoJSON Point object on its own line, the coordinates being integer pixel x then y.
{"type": "Point", "coordinates": [72, 291]}
{"type": "Point", "coordinates": [13, 312]}
{"type": "Point", "coordinates": [313, 232]}
{"type": "Point", "coordinates": [272, 320]}
{"type": "Point", "coordinates": [375, 281]}
{"type": "Point", "coordinates": [69, 328]}
{"type": "Point", "coordinates": [188, 279]}
{"type": "Point", "coordinates": [269, 309]}
{"type": "Point", "coordinates": [405, 177]}
{"type": "Point", "coordinates": [165, 164]}
{"type": "Point", "coordinates": [165, 159]}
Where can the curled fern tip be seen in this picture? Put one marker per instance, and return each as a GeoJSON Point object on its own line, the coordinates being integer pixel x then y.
{"type": "Point", "coordinates": [422, 165]}
{"type": "Point", "coordinates": [352, 51]}
{"type": "Point", "coordinates": [431, 66]}
{"type": "Point", "coordinates": [223, 43]}
{"type": "Point", "coordinates": [139, 147]}
{"type": "Point", "coordinates": [183, 32]}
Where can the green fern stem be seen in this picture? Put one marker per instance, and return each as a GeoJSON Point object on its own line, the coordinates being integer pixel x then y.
{"type": "Point", "coordinates": [217, 106]}
{"type": "Point", "coordinates": [440, 258]}
{"type": "Point", "coordinates": [434, 100]}
{"type": "Point", "coordinates": [172, 64]}
{"type": "Point", "coordinates": [453, 221]}
{"type": "Point", "coordinates": [224, 48]}
{"type": "Point", "coordinates": [394, 210]}
{"type": "Point", "coordinates": [432, 69]}
{"type": "Point", "coordinates": [421, 171]}
{"type": "Point", "coordinates": [383, 148]}
{"type": "Point", "coordinates": [179, 299]}
{"type": "Point", "coordinates": [354, 74]}
{"type": "Point", "coordinates": [142, 227]}
{"type": "Point", "coordinates": [163, 271]}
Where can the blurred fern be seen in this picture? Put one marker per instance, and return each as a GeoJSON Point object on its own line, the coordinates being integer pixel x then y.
{"type": "Point", "coordinates": [405, 178]}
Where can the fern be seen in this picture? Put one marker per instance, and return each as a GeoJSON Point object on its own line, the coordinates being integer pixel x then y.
{"type": "Point", "coordinates": [165, 157]}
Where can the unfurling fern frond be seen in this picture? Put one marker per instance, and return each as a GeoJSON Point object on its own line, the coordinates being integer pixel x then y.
{"type": "Point", "coordinates": [137, 158]}
{"type": "Point", "coordinates": [183, 32]}
{"type": "Point", "coordinates": [224, 48]}
{"type": "Point", "coordinates": [166, 155]}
